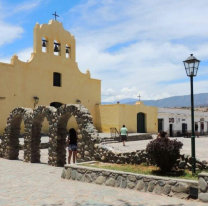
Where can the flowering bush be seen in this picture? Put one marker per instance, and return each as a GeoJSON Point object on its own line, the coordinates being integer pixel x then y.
{"type": "Point", "coordinates": [164, 152]}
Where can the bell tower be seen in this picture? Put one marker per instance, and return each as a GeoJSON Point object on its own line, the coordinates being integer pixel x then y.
{"type": "Point", "coordinates": [53, 39]}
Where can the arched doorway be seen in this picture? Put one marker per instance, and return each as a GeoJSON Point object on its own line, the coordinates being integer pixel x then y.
{"type": "Point", "coordinates": [56, 104]}
{"type": "Point", "coordinates": [141, 127]}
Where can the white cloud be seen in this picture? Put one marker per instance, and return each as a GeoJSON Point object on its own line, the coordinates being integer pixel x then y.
{"type": "Point", "coordinates": [12, 31]}
{"type": "Point", "coordinates": [27, 5]}
{"type": "Point", "coordinates": [8, 32]}
{"type": "Point", "coordinates": [108, 92]}
{"type": "Point", "coordinates": [23, 55]}
{"type": "Point", "coordinates": [137, 47]}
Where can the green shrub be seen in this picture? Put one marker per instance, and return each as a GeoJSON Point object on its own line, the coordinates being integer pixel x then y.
{"type": "Point", "coordinates": [164, 152]}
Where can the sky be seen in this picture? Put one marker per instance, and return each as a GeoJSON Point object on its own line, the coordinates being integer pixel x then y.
{"type": "Point", "coordinates": [136, 47]}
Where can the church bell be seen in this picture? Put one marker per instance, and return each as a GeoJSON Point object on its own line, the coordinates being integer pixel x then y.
{"type": "Point", "coordinates": [44, 43]}
{"type": "Point", "coordinates": [67, 50]}
{"type": "Point", "coordinates": [56, 49]}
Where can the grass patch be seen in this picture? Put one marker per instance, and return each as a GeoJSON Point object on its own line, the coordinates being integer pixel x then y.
{"type": "Point", "coordinates": [146, 170]}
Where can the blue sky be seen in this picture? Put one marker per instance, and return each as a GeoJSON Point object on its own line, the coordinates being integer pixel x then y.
{"type": "Point", "coordinates": [134, 46]}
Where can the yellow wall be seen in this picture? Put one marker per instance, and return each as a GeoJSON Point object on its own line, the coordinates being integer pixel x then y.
{"type": "Point", "coordinates": [107, 116]}
{"type": "Point", "coordinates": [21, 81]}
{"type": "Point", "coordinates": [116, 115]}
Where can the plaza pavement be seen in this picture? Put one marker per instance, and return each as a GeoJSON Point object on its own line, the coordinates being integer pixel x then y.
{"type": "Point", "coordinates": [39, 184]}
{"type": "Point", "coordinates": [201, 146]}
{"type": "Point", "coordinates": [27, 184]}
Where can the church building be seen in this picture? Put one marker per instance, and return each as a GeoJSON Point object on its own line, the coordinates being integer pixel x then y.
{"type": "Point", "coordinates": [52, 77]}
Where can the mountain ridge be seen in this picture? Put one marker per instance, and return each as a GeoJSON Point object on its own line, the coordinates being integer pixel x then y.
{"type": "Point", "coordinates": [174, 101]}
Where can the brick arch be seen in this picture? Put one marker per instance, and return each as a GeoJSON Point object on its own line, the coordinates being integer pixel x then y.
{"type": "Point", "coordinates": [10, 139]}
{"type": "Point", "coordinates": [39, 113]}
{"type": "Point", "coordinates": [87, 133]}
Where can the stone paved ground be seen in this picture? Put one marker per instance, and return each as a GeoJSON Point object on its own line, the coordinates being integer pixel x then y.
{"type": "Point", "coordinates": [28, 184]}
{"type": "Point", "coordinates": [201, 146]}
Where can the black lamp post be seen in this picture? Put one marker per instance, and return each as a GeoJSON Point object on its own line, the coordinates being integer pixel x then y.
{"type": "Point", "coordinates": [191, 66]}
{"type": "Point", "coordinates": [36, 99]}
{"type": "Point", "coordinates": [79, 102]}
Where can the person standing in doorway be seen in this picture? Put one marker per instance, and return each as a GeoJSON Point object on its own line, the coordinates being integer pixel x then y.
{"type": "Point", "coordinates": [72, 145]}
{"type": "Point", "coordinates": [123, 134]}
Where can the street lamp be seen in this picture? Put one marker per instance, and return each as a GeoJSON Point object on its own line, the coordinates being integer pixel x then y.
{"type": "Point", "coordinates": [79, 102]}
{"type": "Point", "coordinates": [191, 66]}
{"type": "Point", "coordinates": [36, 99]}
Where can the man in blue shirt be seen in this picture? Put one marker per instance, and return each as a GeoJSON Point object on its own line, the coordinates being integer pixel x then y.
{"type": "Point", "coordinates": [123, 134]}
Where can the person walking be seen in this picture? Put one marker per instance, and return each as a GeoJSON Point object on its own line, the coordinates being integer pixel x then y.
{"type": "Point", "coordinates": [72, 145]}
{"type": "Point", "coordinates": [123, 134]}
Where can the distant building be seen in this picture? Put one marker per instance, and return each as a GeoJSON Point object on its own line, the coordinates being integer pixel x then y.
{"type": "Point", "coordinates": [178, 121]}
{"type": "Point", "coordinates": [138, 118]}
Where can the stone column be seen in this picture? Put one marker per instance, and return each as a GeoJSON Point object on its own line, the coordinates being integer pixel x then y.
{"type": "Point", "coordinates": [203, 185]}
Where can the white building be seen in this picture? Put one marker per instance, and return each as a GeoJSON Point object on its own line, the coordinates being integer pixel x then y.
{"type": "Point", "coordinates": [177, 122]}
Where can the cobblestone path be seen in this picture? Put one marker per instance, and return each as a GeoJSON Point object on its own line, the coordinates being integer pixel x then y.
{"type": "Point", "coordinates": [28, 184]}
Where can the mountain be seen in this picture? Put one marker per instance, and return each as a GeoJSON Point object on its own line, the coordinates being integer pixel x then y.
{"type": "Point", "coordinates": [123, 101]}
{"type": "Point", "coordinates": [175, 101]}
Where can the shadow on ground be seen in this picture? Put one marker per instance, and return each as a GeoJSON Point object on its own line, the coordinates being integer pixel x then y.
{"type": "Point", "coordinates": [119, 202]}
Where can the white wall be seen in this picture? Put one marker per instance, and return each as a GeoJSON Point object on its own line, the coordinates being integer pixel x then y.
{"type": "Point", "coordinates": [182, 116]}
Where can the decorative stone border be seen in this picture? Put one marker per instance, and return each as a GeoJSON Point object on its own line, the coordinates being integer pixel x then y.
{"type": "Point", "coordinates": [108, 140]}
{"type": "Point", "coordinates": [105, 153]}
{"type": "Point", "coordinates": [139, 137]}
{"type": "Point", "coordinates": [203, 187]}
{"type": "Point", "coordinates": [146, 183]}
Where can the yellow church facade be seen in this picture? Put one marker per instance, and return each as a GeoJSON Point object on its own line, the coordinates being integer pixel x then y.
{"type": "Point", "coordinates": [137, 118]}
{"type": "Point", "coordinates": [52, 77]}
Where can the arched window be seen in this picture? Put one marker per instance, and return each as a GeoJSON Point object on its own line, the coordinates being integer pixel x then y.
{"type": "Point", "coordinates": [56, 104]}
{"type": "Point", "coordinates": [44, 45]}
{"type": "Point", "coordinates": [56, 79]}
{"type": "Point", "coordinates": [57, 48]}
{"type": "Point", "coordinates": [68, 51]}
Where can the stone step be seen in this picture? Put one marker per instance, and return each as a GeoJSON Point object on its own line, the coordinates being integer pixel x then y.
{"type": "Point", "coordinates": [109, 142]}
{"type": "Point", "coordinates": [108, 139]}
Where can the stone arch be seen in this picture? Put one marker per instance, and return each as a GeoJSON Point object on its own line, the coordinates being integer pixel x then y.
{"type": "Point", "coordinates": [10, 139]}
{"type": "Point", "coordinates": [87, 134]}
{"type": "Point", "coordinates": [50, 113]}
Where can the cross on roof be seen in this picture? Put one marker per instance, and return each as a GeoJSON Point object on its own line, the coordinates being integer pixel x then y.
{"type": "Point", "coordinates": [55, 15]}
{"type": "Point", "coordinates": [139, 97]}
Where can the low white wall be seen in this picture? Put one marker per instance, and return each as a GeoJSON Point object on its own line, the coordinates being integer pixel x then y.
{"type": "Point", "coordinates": [180, 116]}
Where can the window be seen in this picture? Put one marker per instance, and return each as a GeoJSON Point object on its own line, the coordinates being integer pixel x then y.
{"type": "Point", "coordinates": [56, 79]}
